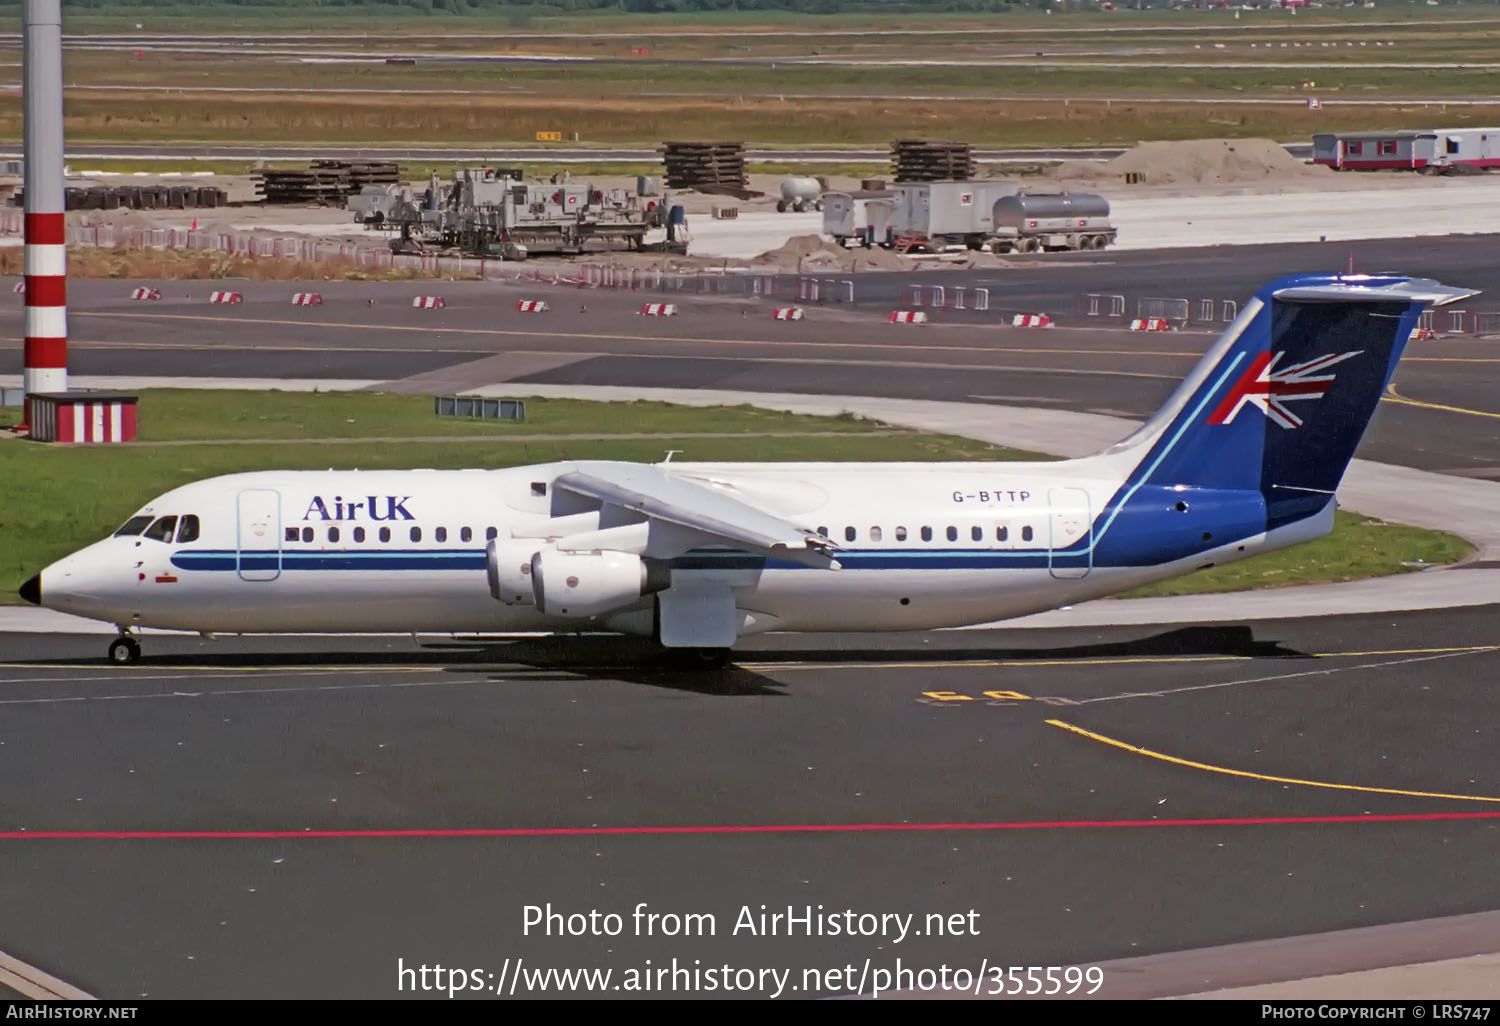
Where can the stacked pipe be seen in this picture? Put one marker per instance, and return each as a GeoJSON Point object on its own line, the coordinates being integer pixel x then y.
{"type": "Point", "coordinates": [45, 361]}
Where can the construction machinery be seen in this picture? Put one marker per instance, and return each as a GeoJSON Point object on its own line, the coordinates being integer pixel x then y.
{"type": "Point", "coordinates": [493, 212]}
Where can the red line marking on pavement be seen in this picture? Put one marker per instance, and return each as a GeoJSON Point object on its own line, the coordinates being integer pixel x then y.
{"type": "Point", "coordinates": [766, 828]}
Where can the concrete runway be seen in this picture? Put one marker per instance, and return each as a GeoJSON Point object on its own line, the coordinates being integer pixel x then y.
{"type": "Point", "coordinates": [1089, 795]}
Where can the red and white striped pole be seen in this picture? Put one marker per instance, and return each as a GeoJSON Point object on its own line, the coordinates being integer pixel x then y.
{"type": "Point", "coordinates": [46, 356]}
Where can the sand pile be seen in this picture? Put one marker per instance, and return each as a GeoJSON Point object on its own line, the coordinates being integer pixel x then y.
{"type": "Point", "coordinates": [814, 253]}
{"type": "Point", "coordinates": [1203, 161]}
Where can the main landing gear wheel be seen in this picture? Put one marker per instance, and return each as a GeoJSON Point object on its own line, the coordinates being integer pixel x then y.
{"type": "Point", "coordinates": [708, 658]}
{"type": "Point", "coordinates": [125, 651]}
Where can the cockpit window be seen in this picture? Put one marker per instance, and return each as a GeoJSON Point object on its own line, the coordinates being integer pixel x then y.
{"type": "Point", "coordinates": [187, 531]}
{"type": "Point", "coordinates": [162, 530]}
{"type": "Point", "coordinates": [132, 527]}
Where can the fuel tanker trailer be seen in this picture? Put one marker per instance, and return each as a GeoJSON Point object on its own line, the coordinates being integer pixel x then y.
{"type": "Point", "coordinates": [1029, 222]}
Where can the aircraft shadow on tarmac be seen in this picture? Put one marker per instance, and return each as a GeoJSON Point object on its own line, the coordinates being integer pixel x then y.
{"type": "Point", "coordinates": [639, 661]}
{"type": "Point", "coordinates": [560, 658]}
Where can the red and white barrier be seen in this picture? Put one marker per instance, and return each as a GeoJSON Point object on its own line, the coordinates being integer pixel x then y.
{"type": "Point", "coordinates": [659, 310]}
{"type": "Point", "coordinates": [83, 417]}
{"type": "Point", "coordinates": [787, 313]}
{"type": "Point", "coordinates": [145, 293]}
{"type": "Point", "coordinates": [1423, 334]}
{"type": "Point", "coordinates": [1031, 321]}
{"type": "Point", "coordinates": [20, 288]}
{"type": "Point", "coordinates": [531, 306]}
{"type": "Point", "coordinates": [1151, 324]}
{"type": "Point", "coordinates": [226, 297]}
{"type": "Point", "coordinates": [908, 317]}
{"type": "Point", "coordinates": [307, 299]}
{"type": "Point", "coordinates": [427, 302]}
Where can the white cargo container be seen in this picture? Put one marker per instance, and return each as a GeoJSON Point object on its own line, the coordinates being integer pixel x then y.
{"type": "Point", "coordinates": [858, 217]}
{"type": "Point", "coordinates": [952, 213]}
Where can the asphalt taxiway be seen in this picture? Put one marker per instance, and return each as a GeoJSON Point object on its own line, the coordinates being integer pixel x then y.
{"type": "Point", "coordinates": [267, 817]}
{"type": "Point", "coordinates": [299, 817]}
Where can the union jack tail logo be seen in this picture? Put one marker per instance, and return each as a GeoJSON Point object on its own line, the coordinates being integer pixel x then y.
{"type": "Point", "coordinates": [1271, 389]}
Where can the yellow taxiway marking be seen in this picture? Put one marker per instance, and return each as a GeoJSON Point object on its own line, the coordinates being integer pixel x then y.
{"type": "Point", "coordinates": [1392, 396]}
{"type": "Point", "coordinates": [961, 664]}
{"type": "Point", "coordinates": [973, 664]}
{"type": "Point", "coordinates": [1191, 764]}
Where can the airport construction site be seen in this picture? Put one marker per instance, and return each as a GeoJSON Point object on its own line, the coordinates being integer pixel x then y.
{"type": "Point", "coordinates": [1157, 195]}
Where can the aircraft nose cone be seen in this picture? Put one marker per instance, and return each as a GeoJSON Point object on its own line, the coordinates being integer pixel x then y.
{"type": "Point", "coordinates": [31, 591]}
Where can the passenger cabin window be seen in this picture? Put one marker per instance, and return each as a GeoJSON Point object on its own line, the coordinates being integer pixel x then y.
{"type": "Point", "coordinates": [132, 527]}
{"type": "Point", "coordinates": [162, 530]}
{"type": "Point", "coordinates": [466, 534]}
{"type": "Point", "coordinates": [490, 533]}
{"type": "Point", "coordinates": [307, 535]}
{"type": "Point", "coordinates": [359, 534]}
{"type": "Point", "coordinates": [292, 534]}
{"type": "Point", "coordinates": [1002, 533]}
{"type": "Point", "coordinates": [823, 531]}
{"type": "Point", "coordinates": [333, 534]}
{"type": "Point", "coordinates": [416, 534]}
{"type": "Point", "coordinates": [976, 532]}
{"type": "Point", "coordinates": [875, 534]}
{"type": "Point", "coordinates": [1026, 534]}
{"type": "Point", "coordinates": [385, 534]}
{"type": "Point", "coordinates": [952, 534]}
{"type": "Point", "coordinates": [1388, 147]}
{"type": "Point", "coordinates": [927, 534]}
{"type": "Point", "coordinates": [187, 530]}
{"type": "Point", "coordinates": [1356, 148]}
{"type": "Point", "coordinates": [850, 534]}
{"type": "Point", "coordinates": [441, 534]}
{"type": "Point", "coordinates": [901, 534]}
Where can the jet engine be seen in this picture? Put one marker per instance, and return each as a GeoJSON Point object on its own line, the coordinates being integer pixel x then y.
{"type": "Point", "coordinates": [589, 583]}
{"type": "Point", "coordinates": [508, 562]}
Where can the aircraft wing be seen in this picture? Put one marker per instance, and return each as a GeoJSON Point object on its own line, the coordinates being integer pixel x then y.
{"type": "Point", "coordinates": [656, 492]}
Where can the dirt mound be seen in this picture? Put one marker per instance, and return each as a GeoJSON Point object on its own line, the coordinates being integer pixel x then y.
{"type": "Point", "coordinates": [1202, 161]}
{"type": "Point", "coordinates": [814, 253]}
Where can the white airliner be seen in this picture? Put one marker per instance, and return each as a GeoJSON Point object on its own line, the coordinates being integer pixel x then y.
{"type": "Point", "coordinates": [1244, 458]}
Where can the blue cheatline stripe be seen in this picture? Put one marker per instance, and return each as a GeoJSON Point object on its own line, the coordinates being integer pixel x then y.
{"type": "Point", "coordinates": [1165, 452]}
{"type": "Point", "coordinates": [474, 560]}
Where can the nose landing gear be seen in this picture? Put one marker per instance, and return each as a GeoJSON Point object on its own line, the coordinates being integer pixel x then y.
{"type": "Point", "coordinates": [125, 651]}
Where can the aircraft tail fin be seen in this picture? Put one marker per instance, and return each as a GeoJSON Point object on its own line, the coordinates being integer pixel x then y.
{"type": "Point", "coordinates": [1280, 402]}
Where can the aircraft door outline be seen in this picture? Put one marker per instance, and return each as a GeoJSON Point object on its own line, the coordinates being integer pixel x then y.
{"type": "Point", "coordinates": [258, 534]}
{"type": "Point", "coordinates": [1069, 518]}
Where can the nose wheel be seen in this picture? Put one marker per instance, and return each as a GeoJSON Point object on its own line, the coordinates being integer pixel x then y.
{"type": "Point", "coordinates": [124, 651]}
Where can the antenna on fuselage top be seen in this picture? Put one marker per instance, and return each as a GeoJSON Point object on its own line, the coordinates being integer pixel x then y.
{"type": "Point", "coordinates": [670, 454]}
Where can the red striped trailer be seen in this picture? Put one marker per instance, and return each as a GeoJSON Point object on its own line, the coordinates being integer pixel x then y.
{"type": "Point", "coordinates": [307, 299]}
{"type": "Point", "coordinates": [82, 416]}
